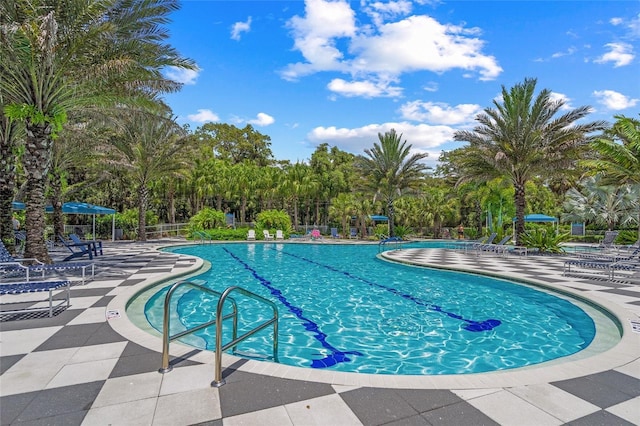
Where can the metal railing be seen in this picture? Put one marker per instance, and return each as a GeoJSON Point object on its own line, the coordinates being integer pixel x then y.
{"type": "Point", "coordinates": [396, 241]}
{"type": "Point", "coordinates": [220, 348]}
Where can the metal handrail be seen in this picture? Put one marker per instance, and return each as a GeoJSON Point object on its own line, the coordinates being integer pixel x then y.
{"type": "Point", "coordinates": [166, 339]}
{"type": "Point", "coordinates": [384, 242]}
{"type": "Point", "coordinates": [218, 380]}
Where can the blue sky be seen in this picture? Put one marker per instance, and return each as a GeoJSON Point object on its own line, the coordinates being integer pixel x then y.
{"type": "Point", "coordinates": [340, 72]}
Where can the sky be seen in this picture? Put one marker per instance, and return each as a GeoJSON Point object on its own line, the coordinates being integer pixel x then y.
{"type": "Point", "coordinates": [342, 72]}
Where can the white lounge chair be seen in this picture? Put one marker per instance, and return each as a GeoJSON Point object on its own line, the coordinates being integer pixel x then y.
{"type": "Point", "coordinates": [267, 235]}
{"type": "Point", "coordinates": [251, 235]}
{"type": "Point", "coordinates": [279, 234]}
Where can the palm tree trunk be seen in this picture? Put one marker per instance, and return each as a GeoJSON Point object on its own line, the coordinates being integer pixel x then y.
{"type": "Point", "coordinates": [391, 212]}
{"type": "Point", "coordinates": [519, 198]}
{"type": "Point", "coordinates": [55, 183]}
{"type": "Point", "coordinates": [7, 187]}
{"type": "Point", "coordinates": [36, 162]}
{"type": "Point", "coordinates": [143, 196]}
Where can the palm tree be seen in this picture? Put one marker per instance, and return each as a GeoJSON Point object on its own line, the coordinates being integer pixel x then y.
{"type": "Point", "coordinates": [10, 133]}
{"type": "Point", "coordinates": [388, 170]}
{"type": "Point", "coordinates": [619, 151]}
{"type": "Point", "coordinates": [520, 139]}
{"type": "Point", "coordinates": [149, 147]}
{"type": "Point", "coordinates": [63, 55]}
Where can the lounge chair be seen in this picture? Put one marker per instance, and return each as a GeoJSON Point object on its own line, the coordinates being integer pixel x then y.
{"type": "Point", "coordinates": [37, 287]}
{"type": "Point", "coordinates": [279, 234]}
{"type": "Point", "coordinates": [251, 235]}
{"type": "Point", "coordinates": [77, 249]}
{"type": "Point", "coordinates": [607, 242]}
{"type": "Point", "coordinates": [353, 233]}
{"type": "Point", "coordinates": [95, 245]}
{"type": "Point", "coordinates": [474, 244]}
{"type": "Point", "coordinates": [267, 235]}
{"type": "Point", "coordinates": [610, 265]}
{"type": "Point", "coordinates": [334, 233]}
{"type": "Point", "coordinates": [17, 267]}
{"type": "Point", "coordinates": [499, 248]}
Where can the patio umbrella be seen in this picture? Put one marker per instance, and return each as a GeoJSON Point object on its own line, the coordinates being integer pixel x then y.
{"type": "Point", "coordinates": [75, 207]}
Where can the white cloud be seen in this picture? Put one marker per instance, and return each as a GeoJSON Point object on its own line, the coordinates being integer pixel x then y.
{"type": "Point", "coordinates": [262, 119]}
{"type": "Point", "coordinates": [616, 21]}
{"type": "Point", "coordinates": [561, 97]}
{"type": "Point", "coordinates": [366, 89]}
{"type": "Point", "coordinates": [620, 54]}
{"type": "Point", "coordinates": [614, 100]}
{"type": "Point", "coordinates": [240, 27]}
{"type": "Point", "coordinates": [570, 51]}
{"type": "Point", "coordinates": [182, 75]}
{"type": "Point", "coordinates": [204, 116]}
{"type": "Point", "coordinates": [421, 137]}
{"type": "Point", "coordinates": [439, 113]}
{"type": "Point", "coordinates": [330, 40]}
{"type": "Point", "coordinates": [379, 11]}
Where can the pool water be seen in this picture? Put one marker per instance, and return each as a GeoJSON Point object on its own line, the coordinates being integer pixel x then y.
{"type": "Point", "coordinates": [343, 309]}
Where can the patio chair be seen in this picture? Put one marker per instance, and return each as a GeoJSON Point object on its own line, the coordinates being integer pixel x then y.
{"type": "Point", "coordinates": [37, 287]}
{"type": "Point", "coordinates": [498, 248]}
{"type": "Point", "coordinates": [13, 267]}
{"type": "Point", "coordinates": [267, 235]}
{"type": "Point", "coordinates": [279, 234]}
{"type": "Point", "coordinates": [76, 249]}
{"type": "Point", "coordinates": [609, 266]}
{"type": "Point", "coordinates": [607, 242]}
{"type": "Point", "coordinates": [353, 233]}
{"type": "Point", "coordinates": [251, 235]}
{"type": "Point", "coordinates": [96, 245]}
{"type": "Point", "coordinates": [334, 233]}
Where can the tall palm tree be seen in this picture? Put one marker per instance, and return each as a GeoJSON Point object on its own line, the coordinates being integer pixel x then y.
{"type": "Point", "coordinates": [619, 151]}
{"type": "Point", "coordinates": [149, 147]}
{"type": "Point", "coordinates": [521, 137]}
{"type": "Point", "coordinates": [389, 170]}
{"type": "Point", "coordinates": [10, 133]}
{"type": "Point", "coordinates": [61, 55]}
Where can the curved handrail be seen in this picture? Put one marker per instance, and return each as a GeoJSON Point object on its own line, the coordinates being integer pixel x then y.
{"type": "Point", "coordinates": [219, 381]}
{"type": "Point", "coordinates": [385, 241]}
{"type": "Point", "coordinates": [166, 339]}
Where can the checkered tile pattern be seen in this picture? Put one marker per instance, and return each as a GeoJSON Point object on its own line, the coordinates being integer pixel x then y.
{"type": "Point", "coordinates": [74, 368]}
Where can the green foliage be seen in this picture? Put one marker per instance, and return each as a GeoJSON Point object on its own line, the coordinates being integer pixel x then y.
{"type": "Point", "coordinates": [546, 241]}
{"type": "Point", "coordinates": [128, 221]}
{"type": "Point", "coordinates": [381, 231]}
{"type": "Point", "coordinates": [207, 218]}
{"type": "Point", "coordinates": [626, 237]}
{"type": "Point", "coordinates": [273, 219]}
{"type": "Point", "coordinates": [225, 234]}
{"type": "Point", "coordinates": [24, 112]}
{"type": "Point", "coordinates": [402, 231]}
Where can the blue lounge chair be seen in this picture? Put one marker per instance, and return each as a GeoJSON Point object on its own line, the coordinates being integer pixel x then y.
{"type": "Point", "coordinates": [353, 233]}
{"type": "Point", "coordinates": [76, 249]}
{"type": "Point", "coordinates": [334, 233]}
{"type": "Point", "coordinates": [37, 287]}
{"type": "Point", "coordinates": [94, 245]}
{"type": "Point", "coordinates": [607, 265]}
{"type": "Point", "coordinates": [13, 267]}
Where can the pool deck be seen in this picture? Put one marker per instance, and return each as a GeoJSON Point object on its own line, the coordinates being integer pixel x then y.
{"type": "Point", "coordinates": [90, 365]}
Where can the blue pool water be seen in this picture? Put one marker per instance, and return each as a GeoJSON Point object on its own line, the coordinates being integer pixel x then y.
{"type": "Point", "coordinates": [342, 308]}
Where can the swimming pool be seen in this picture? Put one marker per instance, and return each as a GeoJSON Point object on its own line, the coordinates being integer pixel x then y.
{"type": "Point", "coordinates": [343, 309]}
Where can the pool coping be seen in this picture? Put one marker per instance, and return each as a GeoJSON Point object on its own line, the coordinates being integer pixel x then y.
{"type": "Point", "coordinates": [626, 351]}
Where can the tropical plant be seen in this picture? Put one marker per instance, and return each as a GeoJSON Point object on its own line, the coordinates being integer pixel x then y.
{"type": "Point", "coordinates": [274, 219]}
{"type": "Point", "coordinates": [605, 205]}
{"type": "Point", "coordinates": [149, 147]}
{"type": "Point", "coordinates": [58, 56]}
{"type": "Point", "coordinates": [521, 137]}
{"type": "Point", "coordinates": [207, 218]}
{"type": "Point", "coordinates": [544, 240]}
{"type": "Point", "coordinates": [389, 170]}
{"type": "Point", "coordinates": [619, 150]}
{"type": "Point", "coordinates": [402, 231]}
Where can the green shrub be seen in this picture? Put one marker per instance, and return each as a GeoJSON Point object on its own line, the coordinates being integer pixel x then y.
{"type": "Point", "coordinates": [544, 240]}
{"type": "Point", "coordinates": [207, 218]}
{"type": "Point", "coordinates": [402, 231]}
{"type": "Point", "coordinates": [272, 220]}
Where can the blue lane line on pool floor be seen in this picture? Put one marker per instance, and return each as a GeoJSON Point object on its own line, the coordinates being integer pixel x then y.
{"type": "Point", "coordinates": [336, 355]}
{"type": "Point", "coordinates": [471, 325]}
